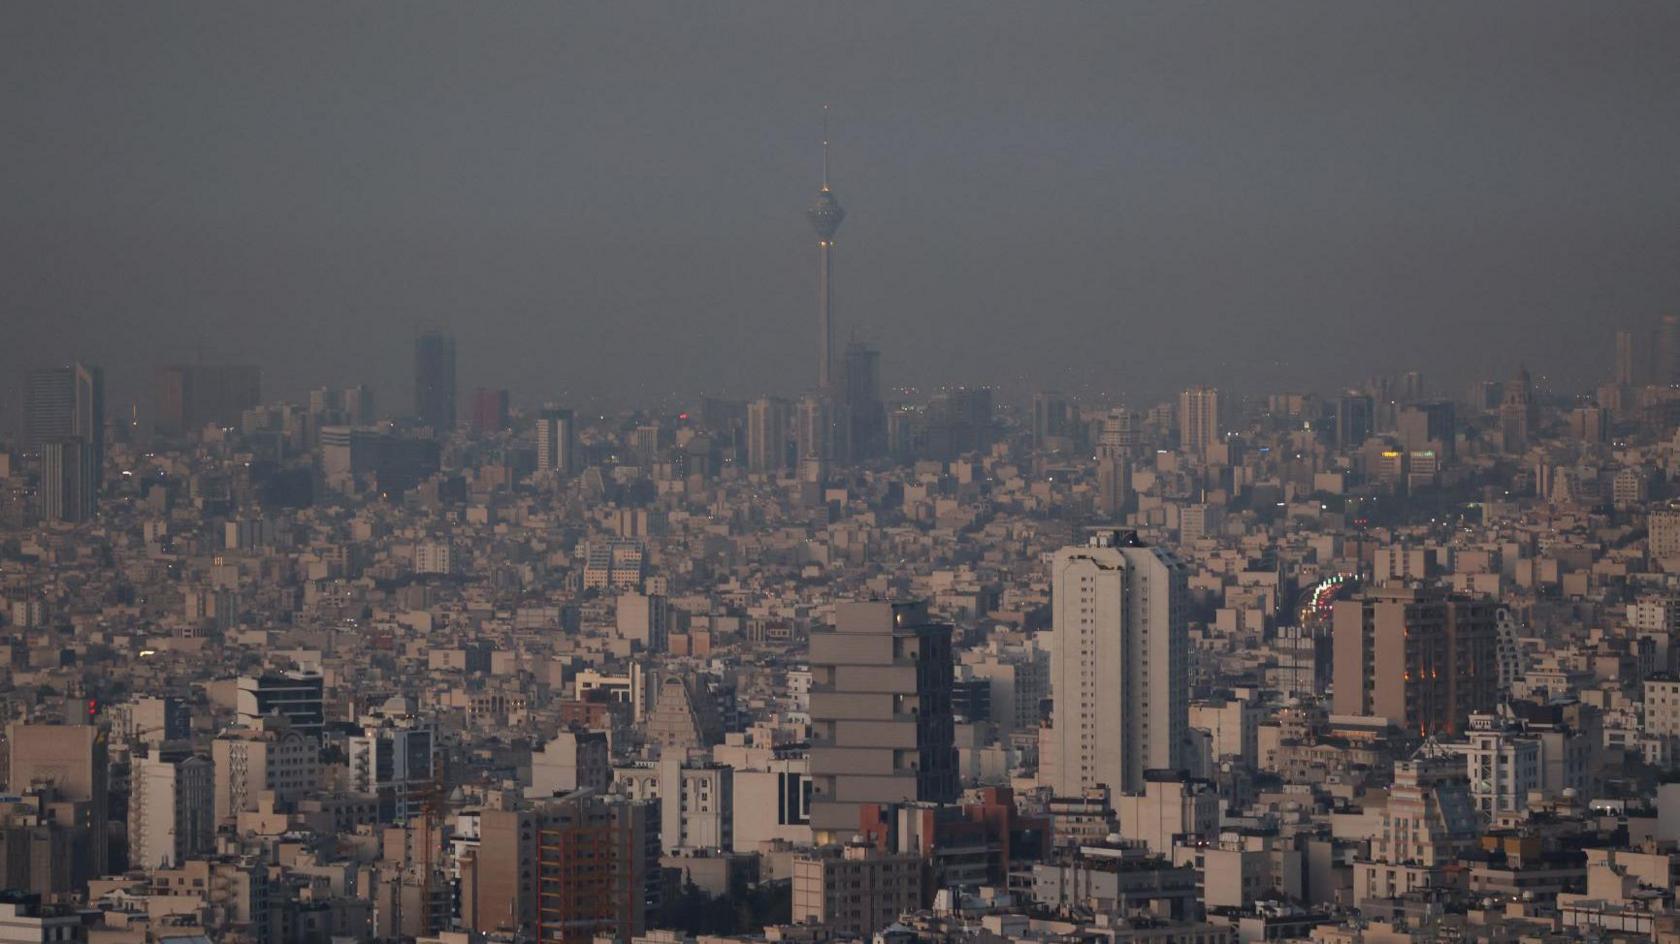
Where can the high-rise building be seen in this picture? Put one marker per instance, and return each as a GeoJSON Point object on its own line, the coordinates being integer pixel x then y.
{"type": "Point", "coordinates": [1410, 387]}
{"type": "Point", "coordinates": [1504, 764]}
{"type": "Point", "coordinates": [295, 696]}
{"type": "Point", "coordinates": [1668, 351]}
{"type": "Point", "coordinates": [565, 869]}
{"type": "Point", "coordinates": [68, 481]}
{"type": "Point", "coordinates": [170, 809]}
{"type": "Point", "coordinates": [813, 429]}
{"type": "Point", "coordinates": [72, 759]}
{"type": "Point", "coordinates": [865, 412]}
{"type": "Point", "coordinates": [1354, 418]}
{"type": "Point", "coordinates": [1417, 656]}
{"type": "Point", "coordinates": [1198, 420]}
{"type": "Point", "coordinates": [1051, 421]}
{"type": "Point", "coordinates": [1430, 821]}
{"type": "Point", "coordinates": [270, 756]}
{"type": "Point", "coordinates": [434, 381]}
{"type": "Point", "coordinates": [572, 760]}
{"type": "Point", "coordinates": [556, 441]}
{"type": "Point", "coordinates": [392, 759]}
{"type": "Point", "coordinates": [959, 421]}
{"type": "Point", "coordinates": [855, 891]}
{"type": "Point", "coordinates": [353, 457]}
{"type": "Point", "coordinates": [1119, 436]}
{"type": "Point", "coordinates": [1627, 358]}
{"type": "Point", "coordinates": [767, 424]}
{"type": "Point", "coordinates": [489, 411]}
{"type": "Point", "coordinates": [192, 396]}
{"type": "Point", "coordinates": [1517, 414]}
{"type": "Point", "coordinates": [1119, 670]}
{"type": "Point", "coordinates": [1484, 395]}
{"type": "Point", "coordinates": [1428, 426]}
{"type": "Point", "coordinates": [1020, 680]}
{"type": "Point", "coordinates": [643, 620]}
{"type": "Point", "coordinates": [1662, 530]}
{"type": "Point", "coordinates": [696, 804]}
{"type": "Point", "coordinates": [66, 403]}
{"type": "Point", "coordinates": [151, 720]}
{"type": "Point", "coordinates": [825, 215]}
{"type": "Point", "coordinates": [358, 405]}
{"type": "Point", "coordinates": [1114, 486]}
{"type": "Point", "coordinates": [881, 726]}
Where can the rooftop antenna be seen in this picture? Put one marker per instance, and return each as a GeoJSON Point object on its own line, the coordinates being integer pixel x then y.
{"type": "Point", "coordinates": [825, 148]}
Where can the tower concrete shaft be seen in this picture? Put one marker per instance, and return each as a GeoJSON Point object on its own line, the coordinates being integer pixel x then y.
{"type": "Point", "coordinates": [825, 318]}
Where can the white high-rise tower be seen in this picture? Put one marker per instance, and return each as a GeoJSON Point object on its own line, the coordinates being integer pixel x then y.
{"type": "Point", "coordinates": [556, 441]}
{"type": "Point", "coordinates": [1198, 420]}
{"type": "Point", "coordinates": [1120, 666]}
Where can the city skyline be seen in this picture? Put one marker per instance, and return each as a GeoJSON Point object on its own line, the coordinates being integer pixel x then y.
{"type": "Point", "coordinates": [1227, 490]}
{"type": "Point", "coordinates": [999, 229]}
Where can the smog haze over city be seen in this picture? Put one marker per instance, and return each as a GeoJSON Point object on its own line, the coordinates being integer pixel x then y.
{"type": "Point", "coordinates": [603, 199]}
{"type": "Point", "coordinates": [823, 473]}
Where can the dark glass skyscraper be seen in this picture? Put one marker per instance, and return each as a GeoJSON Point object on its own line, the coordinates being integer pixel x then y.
{"type": "Point", "coordinates": [192, 396]}
{"type": "Point", "coordinates": [434, 380]}
{"type": "Point", "coordinates": [69, 480]}
{"type": "Point", "coordinates": [1668, 351]}
{"type": "Point", "coordinates": [863, 401]}
{"type": "Point", "coordinates": [61, 403]}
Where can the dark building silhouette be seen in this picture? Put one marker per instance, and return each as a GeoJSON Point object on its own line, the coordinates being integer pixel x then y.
{"type": "Point", "coordinates": [192, 396]}
{"type": "Point", "coordinates": [489, 411]}
{"type": "Point", "coordinates": [434, 381]}
{"type": "Point", "coordinates": [1668, 351]}
{"type": "Point", "coordinates": [865, 412]}
{"type": "Point", "coordinates": [66, 403]}
{"type": "Point", "coordinates": [1354, 416]}
{"type": "Point", "coordinates": [69, 489]}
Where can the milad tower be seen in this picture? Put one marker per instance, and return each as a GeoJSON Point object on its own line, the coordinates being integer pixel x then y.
{"type": "Point", "coordinates": [825, 215]}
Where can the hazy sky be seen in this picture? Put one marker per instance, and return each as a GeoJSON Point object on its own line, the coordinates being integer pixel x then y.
{"type": "Point", "coordinates": [606, 198]}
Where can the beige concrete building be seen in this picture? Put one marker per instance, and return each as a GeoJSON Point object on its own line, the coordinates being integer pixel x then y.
{"type": "Point", "coordinates": [1662, 706]}
{"type": "Point", "coordinates": [563, 869]}
{"type": "Point", "coordinates": [73, 759]}
{"type": "Point", "coordinates": [1198, 420]}
{"type": "Point", "coordinates": [1416, 656]}
{"type": "Point", "coordinates": [1171, 809]}
{"type": "Point", "coordinates": [855, 890]}
{"type": "Point", "coordinates": [772, 804]}
{"type": "Point", "coordinates": [1019, 677]}
{"type": "Point", "coordinates": [1119, 664]}
{"type": "Point", "coordinates": [271, 756]}
{"type": "Point", "coordinates": [573, 760]}
{"type": "Point", "coordinates": [767, 425]}
{"type": "Point", "coordinates": [881, 725]}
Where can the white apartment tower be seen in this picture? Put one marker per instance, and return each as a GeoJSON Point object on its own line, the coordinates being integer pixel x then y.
{"type": "Point", "coordinates": [169, 810]}
{"type": "Point", "coordinates": [1120, 664]}
{"type": "Point", "coordinates": [767, 424]}
{"type": "Point", "coordinates": [1198, 420]}
{"type": "Point", "coordinates": [556, 441]}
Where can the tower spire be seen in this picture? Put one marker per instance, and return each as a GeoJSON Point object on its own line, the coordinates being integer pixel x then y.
{"type": "Point", "coordinates": [825, 215]}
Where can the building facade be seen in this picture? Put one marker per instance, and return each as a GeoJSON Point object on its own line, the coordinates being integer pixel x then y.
{"type": "Point", "coordinates": [882, 730]}
{"type": "Point", "coordinates": [1119, 664]}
